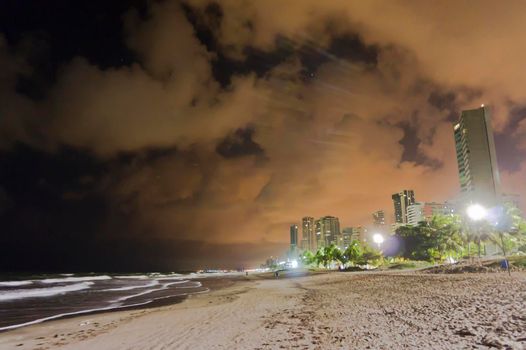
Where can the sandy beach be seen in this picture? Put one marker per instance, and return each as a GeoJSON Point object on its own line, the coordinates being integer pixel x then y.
{"type": "Point", "coordinates": [372, 310]}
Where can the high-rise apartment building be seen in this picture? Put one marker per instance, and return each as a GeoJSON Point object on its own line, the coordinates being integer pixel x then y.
{"type": "Point", "coordinates": [414, 214]}
{"type": "Point", "coordinates": [327, 231]}
{"type": "Point", "coordinates": [293, 237]}
{"type": "Point", "coordinates": [308, 235]}
{"type": "Point", "coordinates": [476, 158]}
{"type": "Point", "coordinates": [347, 237]}
{"type": "Point", "coordinates": [379, 219]}
{"type": "Point", "coordinates": [402, 200]}
{"type": "Point", "coordinates": [418, 212]}
{"type": "Point", "coordinates": [360, 233]}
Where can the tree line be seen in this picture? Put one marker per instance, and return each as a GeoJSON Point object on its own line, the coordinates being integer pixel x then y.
{"type": "Point", "coordinates": [442, 237]}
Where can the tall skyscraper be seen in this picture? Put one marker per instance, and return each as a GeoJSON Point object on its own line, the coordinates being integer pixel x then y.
{"type": "Point", "coordinates": [293, 237]}
{"type": "Point", "coordinates": [327, 231]}
{"type": "Point", "coordinates": [320, 237]}
{"type": "Point", "coordinates": [308, 236]}
{"type": "Point", "coordinates": [401, 201]}
{"type": "Point", "coordinates": [379, 219]}
{"type": "Point", "coordinates": [476, 158]}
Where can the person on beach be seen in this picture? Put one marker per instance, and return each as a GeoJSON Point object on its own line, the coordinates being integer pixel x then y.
{"type": "Point", "coordinates": [276, 274]}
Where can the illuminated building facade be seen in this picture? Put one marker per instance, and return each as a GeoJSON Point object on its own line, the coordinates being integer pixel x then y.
{"type": "Point", "coordinates": [476, 157]}
{"type": "Point", "coordinates": [293, 237]}
{"type": "Point", "coordinates": [308, 235]}
{"type": "Point", "coordinates": [379, 219]}
{"type": "Point", "coordinates": [402, 200]}
{"type": "Point", "coordinates": [347, 237]}
{"type": "Point", "coordinates": [327, 231]}
{"type": "Point", "coordinates": [424, 212]}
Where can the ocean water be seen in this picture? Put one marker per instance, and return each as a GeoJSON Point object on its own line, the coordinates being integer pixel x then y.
{"type": "Point", "coordinates": [35, 300]}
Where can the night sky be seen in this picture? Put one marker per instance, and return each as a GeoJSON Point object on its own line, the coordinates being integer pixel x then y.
{"type": "Point", "coordinates": [170, 135]}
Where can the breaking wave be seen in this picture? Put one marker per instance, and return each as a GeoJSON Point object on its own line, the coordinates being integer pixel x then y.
{"type": "Point", "coordinates": [75, 279]}
{"type": "Point", "coordinates": [42, 292]}
{"type": "Point", "coordinates": [15, 283]}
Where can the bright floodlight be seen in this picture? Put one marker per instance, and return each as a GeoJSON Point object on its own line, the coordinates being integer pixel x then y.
{"type": "Point", "coordinates": [476, 212]}
{"type": "Point", "coordinates": [294, 264]}
{"type": "Point", "coordinates": [378, 238]}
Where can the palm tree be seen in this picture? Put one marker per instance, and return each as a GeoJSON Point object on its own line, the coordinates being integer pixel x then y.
{"type": "Point", "coordinates": [319, 257]}
{"type": "Point", "coordinates": [369, 255]}
{"type": "Point", "coordinates": [330, 253]}
{"type": "Point", "coordinates": [446, 232]}
{"type": "Point", "coordinates": [353, 252]}
{"type": "Point", "coordinates": [510, 230]}
{"type": "Point", "coordinates": [341, 257]}
{"type": "Point", "coordinates": [307, 258]}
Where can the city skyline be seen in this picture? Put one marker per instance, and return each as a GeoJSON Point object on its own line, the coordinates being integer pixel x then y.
{"type": "Point", "coordinates": [478, 177]}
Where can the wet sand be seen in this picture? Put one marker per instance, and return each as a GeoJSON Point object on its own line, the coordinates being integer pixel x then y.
{"type": "Point", "coordinates": [371, 310]}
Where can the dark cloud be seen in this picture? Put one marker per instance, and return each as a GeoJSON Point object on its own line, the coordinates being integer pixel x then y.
{"type": "Point", "coordinates": [411, 143]}
{"type": "Point", "coordinates": [91, 29]}
{"type": "Point", "coordinates": [207, 22]}
{"type": "Point", "coordinates": [442, 101]}
{"type": "Point", "coordinates": [239, 144]}
{"type": "Point", "coordinates": [351, 47]}
{"type": "Point", "coordinates": [510, 141]}
{"type": "Point", "coordinates": [168, 134]}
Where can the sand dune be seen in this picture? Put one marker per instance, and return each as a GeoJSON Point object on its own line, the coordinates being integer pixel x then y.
{"type": "Point", "coordinates": [331, 311]}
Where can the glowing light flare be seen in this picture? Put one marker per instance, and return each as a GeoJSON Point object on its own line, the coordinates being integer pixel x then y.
{"type": "Point", "coordinates": [378, 238]}
{"type": "Point", "coordinates": [476, 212]}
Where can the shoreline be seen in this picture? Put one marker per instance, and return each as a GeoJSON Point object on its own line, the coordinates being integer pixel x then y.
{"type": "Point", "coordinates": [212, 284]}
{"type": "Point", "coordinates": [74, 328]}
{"type": "Point", "coordinates": [330, 310]}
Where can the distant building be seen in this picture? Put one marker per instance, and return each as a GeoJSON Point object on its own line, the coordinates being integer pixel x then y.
{"type": "Point", "coordinates": [395, 227]}
{"type": "Point", "coordinates": [415, 214]}
{"type": "Point", "coordinates": [327, 231]}
{"type": "Point", "coordinates": [424, 212]}
{"type": "Point", "coordinates": [348, 235]}
{"type": "Point", "coordinates": [360, 233]}
{"type": "Point", "coordinates": [308, 234]}
{"type": "Point", "coordinates": [401, 201]}
{"type": "Point", "coordinates": [476, 157]}
{"type": "Point", "coordinates": [293, 236]}
{"type": "Point", "coordinates": [379, 219]}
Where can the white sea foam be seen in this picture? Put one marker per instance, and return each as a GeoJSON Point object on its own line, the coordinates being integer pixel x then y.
{"type": "Point", "coordinates": [151, 284]}
{"type": "Point", "coordinates": [166, 275]}
{"type": "Point", "coordinates": [42, 292]}
{"type": "Point", "coordinates": [194, 285]}
{"type": "Point", "coordinates": [111, 307]}
{"type": "Point", "coordinates": [15, 283]}
{"type": "Point", "coordinates": [134, 277]}
{"type": "Point", "coordinates": [167, 278]}
{"type": "Point", "coordinates": [164, 286]}
{"type": "Point", "coordinates": [75, 279]}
